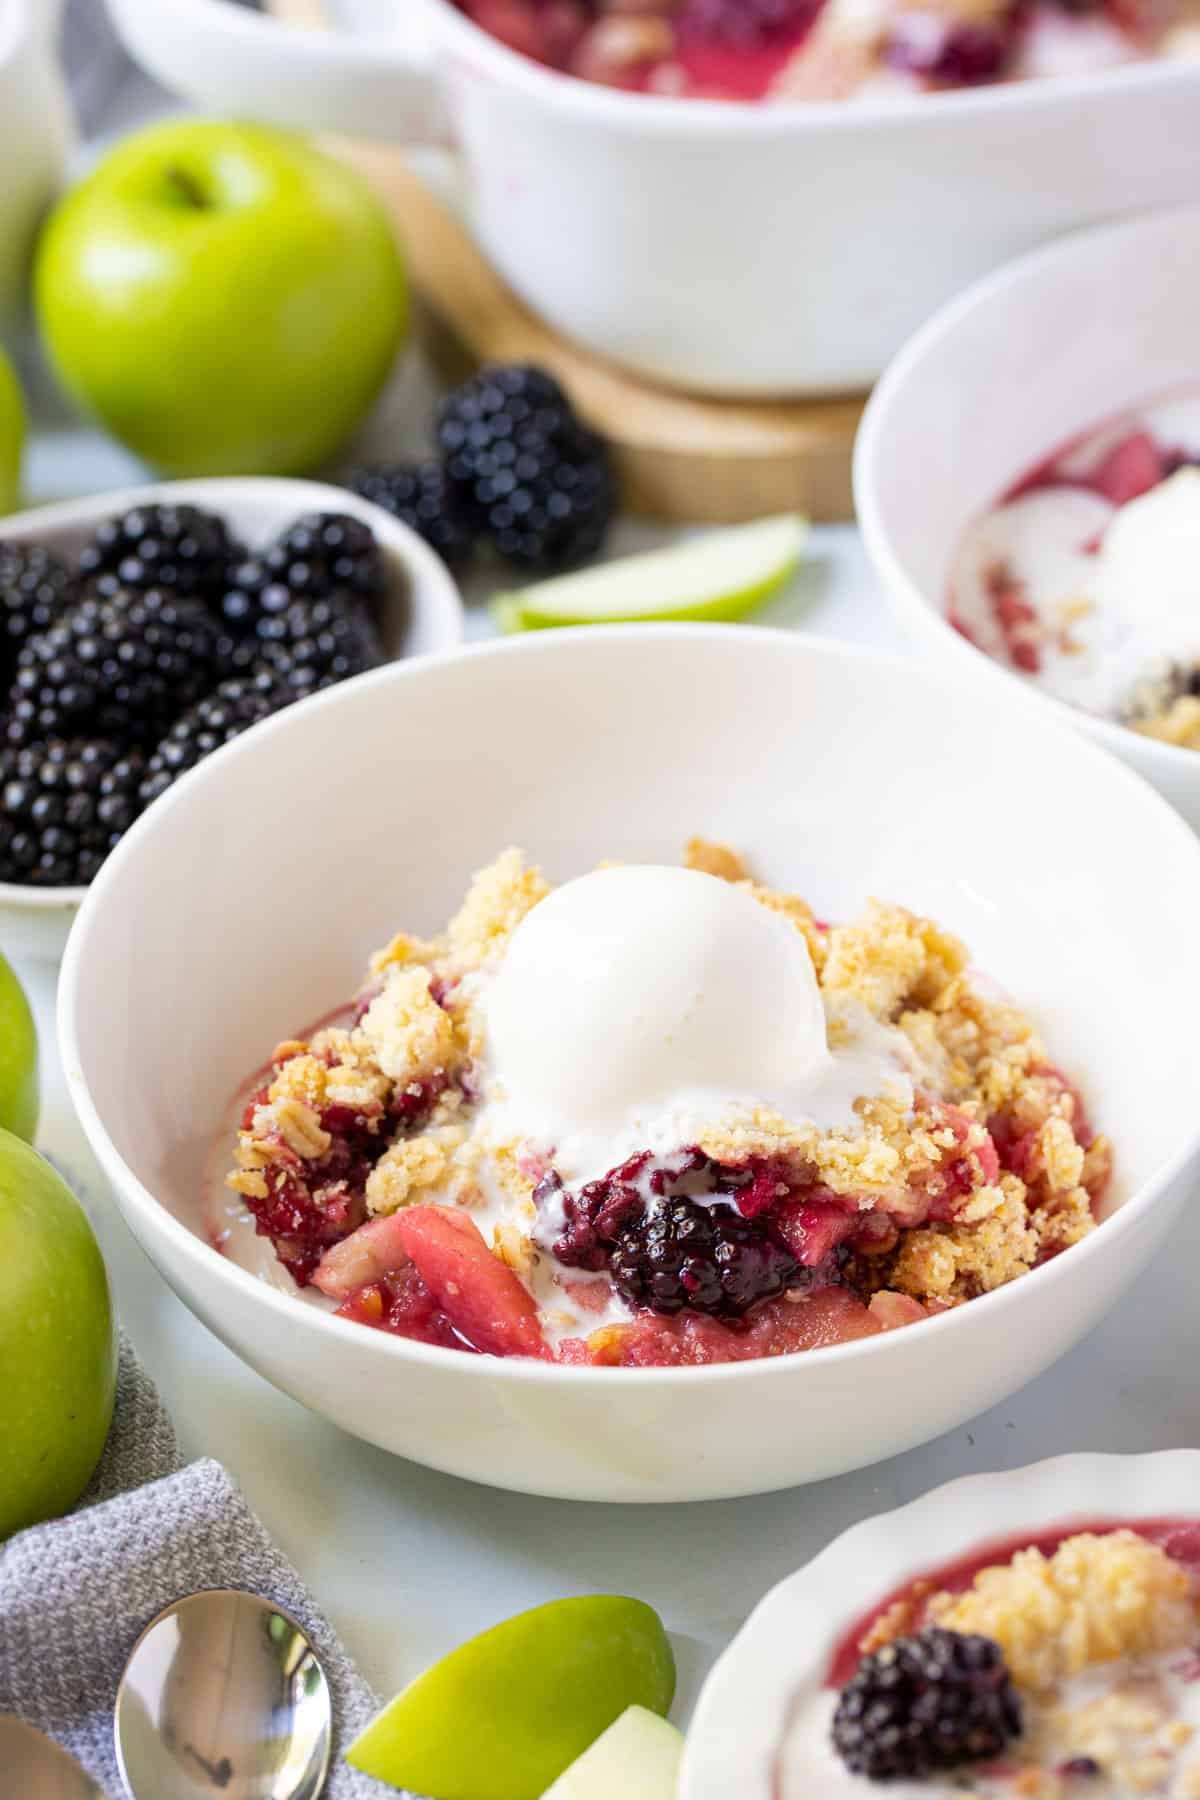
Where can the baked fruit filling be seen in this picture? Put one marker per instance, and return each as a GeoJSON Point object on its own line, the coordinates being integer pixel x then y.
{"type": "Point", "coordinates": [780, 50]}
{"type": "Point", "coordinates": [1064, 1669]}
{"type": "Point", "coordinates": [1079, 578]}
{"type": "Point", "coordinates": [660, 1116]}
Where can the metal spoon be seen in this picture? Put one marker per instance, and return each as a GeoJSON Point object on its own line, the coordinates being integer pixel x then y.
{"type": "Point", "coordinates": [36, 1769]}
{"type": "Point", "coordinates": [223, 1694]}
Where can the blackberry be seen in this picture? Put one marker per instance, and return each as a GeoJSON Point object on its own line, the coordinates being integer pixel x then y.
{"type": "Point", "coordinates": [664, 1251]}
{"type": "Point", "coordinates": [36, 587]}
{"type": "Point", "coordinates": [523, 471]}
{"type": "Point", "coordinates": [708, 1258]}
{"type": "Point", "coordinates": [122, 668]}
{"type": "Point", "coordinates": [745, 24]}
{"type": "Point", "coordinates": [419, 495]}
{"type": "Point", "coordinates": [926, 1703]}
{"type": "Point", "coordinates": [63, 806]}
{"type": "Point", "coordinates": [323, 556]}
{"type": "Point", "coordinates": [956, 53]}
{"type": "Point", "coordinates": [178, 550]}
{"type": "Point", "coordinates": [316, 643]}
{"type": "Point", "coordinates": [214, 720]}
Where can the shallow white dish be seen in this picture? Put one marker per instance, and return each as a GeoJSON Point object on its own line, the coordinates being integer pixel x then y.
{"type": "Point", "coordinates": [421, 612]}
{"type": "Point", "coordinates": [364, 811]}
{"type": "Point", "coordinates": [785, 1647]}
{"type": "Point", "coordinates": [726, 248]}
{"type": "Point", "coordinates": [1005, 375]}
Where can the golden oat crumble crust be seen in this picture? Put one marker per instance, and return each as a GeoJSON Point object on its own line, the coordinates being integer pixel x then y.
{"type": "Point", "coordinates": [973, 1060]}
{"type": "Point", "coordinates": [1178, 723]}
{"type": "Point", "coordinates": [1099, 1597]}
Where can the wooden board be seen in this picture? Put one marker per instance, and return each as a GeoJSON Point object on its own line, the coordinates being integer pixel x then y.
{"type": "Point", "coordinates": [679, 457]}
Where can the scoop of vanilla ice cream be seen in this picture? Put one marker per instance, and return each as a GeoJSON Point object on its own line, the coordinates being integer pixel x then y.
{"type": "Point", "coordinates": [635, 990]}
{"type": "Point", "coordinates": [1149, 566]}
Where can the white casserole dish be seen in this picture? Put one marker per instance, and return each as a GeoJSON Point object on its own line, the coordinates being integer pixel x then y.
{"type": "Point", "coordinates": [728, 248]}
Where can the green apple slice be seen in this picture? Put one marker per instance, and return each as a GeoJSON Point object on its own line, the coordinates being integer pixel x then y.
{"type": "Point", "coordinates": [722, 575]}
{"type": "Point", "coordinates": [637, 1758]}
{"type": "Point", "coordinates": [501, 1717]}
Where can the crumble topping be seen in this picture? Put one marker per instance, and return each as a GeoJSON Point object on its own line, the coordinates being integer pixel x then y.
{"type": "Point", "coordinates": [412, 1037]}
{"type": "Point", "coordinates": [412, 1166]}
{"type": "Point", "coordinates": [976, 1165]}
{"type": "Point", "coordinates": [1166, 706]}
{"type": "Point", "coordinates": [714, 859]}
{"type": "Point", "coordinates": [1097, 1599]}
{"type": "Point", "coordinates": [496, 902]}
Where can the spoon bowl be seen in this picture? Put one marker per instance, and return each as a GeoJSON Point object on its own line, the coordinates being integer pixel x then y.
{"type": "Point", "coordinates": [223, 1693]}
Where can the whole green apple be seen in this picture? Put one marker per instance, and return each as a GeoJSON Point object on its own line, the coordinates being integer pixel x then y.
{"type": "Point", "coordinates": [12, 436]}
{"type": "Point", "coordinates": [223, 298]}
{"type": "Point", "coordinates": [57, 1342]}
{"type": "Point", "coordinates": [18, 1059]}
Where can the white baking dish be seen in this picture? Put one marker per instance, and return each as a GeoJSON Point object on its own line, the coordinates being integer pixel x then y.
{"type": "Point", "coordinates": [729, 248]}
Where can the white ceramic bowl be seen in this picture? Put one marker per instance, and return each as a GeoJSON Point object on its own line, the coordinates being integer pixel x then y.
{"type": "Point", "coordinates": [834, 770]}
{"type": "Point", "coordinates": [1006, 374]}
{"type": "Point", "coordinates": [786, 1645]}
{"type": "Point", "coordinates": [422, 612]}
{"type": "Point", "coordinates": [727, 248]}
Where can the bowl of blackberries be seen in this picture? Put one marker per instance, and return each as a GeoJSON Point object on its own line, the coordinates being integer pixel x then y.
{"type": "Point", "coordinates": [141, 631]}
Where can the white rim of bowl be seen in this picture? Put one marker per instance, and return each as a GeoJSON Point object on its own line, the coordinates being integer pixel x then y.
{"type": "Point", "coordinates": [603, 105]}
{"type": "Point", "coordinates": [437, 584]}
{"type": "Point", "coordinates": [907, 599]}
{"type": "Point", "coordinates": [131, 1193]}
{"type": "Point", "coordinates": [758, 1674]}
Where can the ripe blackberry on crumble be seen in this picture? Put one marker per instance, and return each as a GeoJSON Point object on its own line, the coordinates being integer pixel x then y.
{"type": "Point", "coordinates": [926, 1703]}
{"type": "Point", "coordinates": [664, 1250]}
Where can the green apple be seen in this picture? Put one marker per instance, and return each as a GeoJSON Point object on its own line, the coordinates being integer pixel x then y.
{"type": "Point", "coordinates": [638, 1758]}
{"type": "Point", "coordinates": [12, 436]}
{"type": "Point", "coordinates": [57, 1342]}
{"type": "Point", "coordinates": [224, 298]}
{"type": "Point", "coordinates": [721, 575]}
{"type": "Point", "coordinates": [502, 1717]}
{"type": "Point", "coordinates": [18, 1059]}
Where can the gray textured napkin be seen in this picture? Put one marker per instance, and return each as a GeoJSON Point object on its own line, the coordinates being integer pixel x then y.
{"type": "Point", "coordinates": [75, 1594]}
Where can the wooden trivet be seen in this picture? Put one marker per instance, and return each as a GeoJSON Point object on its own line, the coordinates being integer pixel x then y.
{"type": "Point", "coordinates": [679, 457]}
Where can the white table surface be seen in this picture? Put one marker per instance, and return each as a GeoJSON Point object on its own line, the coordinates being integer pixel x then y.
{"type": "Point", "coordinates": [408, 1562]}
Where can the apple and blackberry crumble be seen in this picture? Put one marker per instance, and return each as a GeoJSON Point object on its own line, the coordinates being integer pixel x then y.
{"type": "Point", "coordinates": [660, 1116]}
{"type": "Point", "coordinates": [785, 50]}
{"type": "Point", "coordinates": [1057, 1669]}
{"type": "Point", "coordinates": [1080, 577]}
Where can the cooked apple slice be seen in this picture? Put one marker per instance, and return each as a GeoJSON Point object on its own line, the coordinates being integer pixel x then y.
{"type": "Point", "coordinates": [479, 1294]}
{"type": "Point", "coordinates": [637, 1758]}
{"type": "Point", "coordinates": [368, 1254]}
{"type": "Point", "coordinates": [502, 1717]}
{"type": "Point", "coordinates": [721, 576]}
